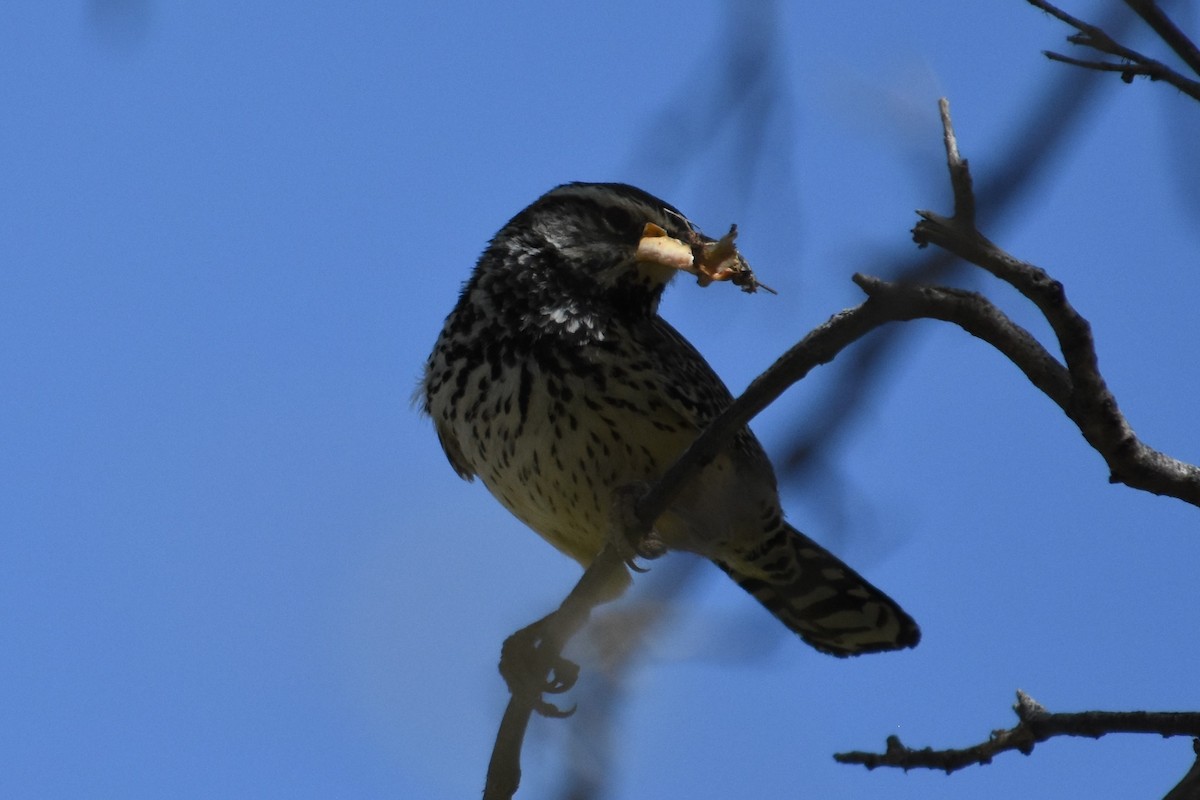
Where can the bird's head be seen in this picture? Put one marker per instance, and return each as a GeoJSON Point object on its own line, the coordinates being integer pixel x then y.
{"type": "Point", "coordinates": [611, 240]}
{"type": "Point", "coordinates": [598, 226]}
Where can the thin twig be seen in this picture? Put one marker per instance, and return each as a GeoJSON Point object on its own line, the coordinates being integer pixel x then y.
{"type": "Point", "coordinates": [964, 192]}
{"type": "Point", "coordinates": [1145, 66]}
{"type": "Point", "coordinates": [1089, 35]}
{"type": "Point", "coordinates": [1128, 70]}
{"type": "Point", "coordinates": [1035, 725]}
{"type": "Point", "coordinates": [1138, 64]}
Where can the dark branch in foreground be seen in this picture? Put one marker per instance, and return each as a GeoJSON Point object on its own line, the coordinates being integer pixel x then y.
{"type": "Point", "coordinates": [1132, 62]}
{"type": "Point", "coordinates": [1035, 725]}
{"type": "Point", "coordinates": [1168, 31]}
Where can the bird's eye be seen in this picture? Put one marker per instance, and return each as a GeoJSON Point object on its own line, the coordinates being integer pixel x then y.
{"type": "Point", "coordinates": [620, 219]}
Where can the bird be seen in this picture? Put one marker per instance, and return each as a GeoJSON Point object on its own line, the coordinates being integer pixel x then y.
{"type": "Point", "coordinates": [556, 382]}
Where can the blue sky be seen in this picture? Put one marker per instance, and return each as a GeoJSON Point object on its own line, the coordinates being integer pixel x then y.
{"type": "Point", "coordinates": [234, 562]}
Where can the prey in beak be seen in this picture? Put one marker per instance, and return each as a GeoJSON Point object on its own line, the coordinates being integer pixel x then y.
{"type": "Point", "coordinates": [708, 259]}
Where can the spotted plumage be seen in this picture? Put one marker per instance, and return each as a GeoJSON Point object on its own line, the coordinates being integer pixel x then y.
{"type": "Point", "coordinates": [555, 382]}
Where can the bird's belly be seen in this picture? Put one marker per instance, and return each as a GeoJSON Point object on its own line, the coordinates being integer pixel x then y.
{"type": "Point", "coordinates": [558, 453]}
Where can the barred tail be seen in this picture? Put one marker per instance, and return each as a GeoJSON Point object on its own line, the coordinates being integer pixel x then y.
{"type": "Point", "coordinates": [816, 595]}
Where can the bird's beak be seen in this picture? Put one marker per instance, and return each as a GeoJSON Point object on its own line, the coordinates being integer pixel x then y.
{"type": "Point", "coordinates": [656, 247]}
{"type": "Point", "coordinates": [709, 260]}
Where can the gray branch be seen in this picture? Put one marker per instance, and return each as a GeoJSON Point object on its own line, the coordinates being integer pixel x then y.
{"type": "Point", "coordinates": [1088, 403]}
{"type": "Point", "coordinates": [1035, 725]}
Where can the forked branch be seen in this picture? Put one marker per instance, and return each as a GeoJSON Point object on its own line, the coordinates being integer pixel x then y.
{"type": "Point", "coordinates": [1088, 403]}
{"type": "Point", "coordinates": [1131, 63]}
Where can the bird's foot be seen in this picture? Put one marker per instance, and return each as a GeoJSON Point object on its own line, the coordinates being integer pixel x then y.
{"type": "Point", "coordinates": [630, 543]}
{"type": "Point", "coordinates": [531, 672]}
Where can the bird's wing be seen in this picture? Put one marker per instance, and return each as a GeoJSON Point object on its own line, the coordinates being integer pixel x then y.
{"type": "Point", "coordinates": [692, 388]}
{"type": "Point", "coordinates": [454, 453]}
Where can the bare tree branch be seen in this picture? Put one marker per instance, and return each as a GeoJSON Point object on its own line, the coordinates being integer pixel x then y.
{"type": "Point", "coordinates": [1046, 126]}
{"type": "Point", "coordinates": [1128, 71]}
{"type": "Point", "coordinates": [1133, 63]}
{"type": "Point", "coordinates": [977, 316]}
{"type": "Point", "coordinates": [1090, 404]}
{"type": "Point", "coordinates": [1035, 725]}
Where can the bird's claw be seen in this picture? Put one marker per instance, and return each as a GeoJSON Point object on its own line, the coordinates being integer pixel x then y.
{"type": "Point", "coordinates": [648, 546]}
{"type": "Point", "coordinates": [530, 673]}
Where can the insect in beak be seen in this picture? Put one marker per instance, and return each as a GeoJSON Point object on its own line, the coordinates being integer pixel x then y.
{"type": "Point", "coordinates": [708, 260]}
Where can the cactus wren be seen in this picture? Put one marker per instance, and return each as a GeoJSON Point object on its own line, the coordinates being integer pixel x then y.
{"type": "Point", "coordinates": [557, 383]}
